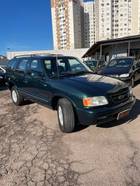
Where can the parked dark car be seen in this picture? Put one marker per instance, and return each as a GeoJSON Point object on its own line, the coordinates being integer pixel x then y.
{"type": "Point", "coordinates": [126, 69]}
{"type": "Point", "coordinates": [65, 84]}
{"type": "Point", "coordinates": [2, 75]}
{"type": "Point", "coordinates": [95, 65]}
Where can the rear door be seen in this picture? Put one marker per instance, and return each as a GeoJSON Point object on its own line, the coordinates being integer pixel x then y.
{"type": "Point", "coordinates": [20, 72]}
{"type": "Point", "coordinates": [36, 81]}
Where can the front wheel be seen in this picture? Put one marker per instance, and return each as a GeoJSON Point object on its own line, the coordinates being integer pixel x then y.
{"type": "Point", "coordinates": [16, 97]}
{"type": "Point", "coordinates": [66, 116]}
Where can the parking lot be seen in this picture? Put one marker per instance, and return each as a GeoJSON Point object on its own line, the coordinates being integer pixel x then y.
{"type": "Point", "coordinates": [33, 152]}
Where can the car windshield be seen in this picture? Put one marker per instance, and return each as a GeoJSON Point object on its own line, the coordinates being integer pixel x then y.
{"type": "Point", "coordinates": [70, 66]}
{"type": "Point", "coordinates": [91, 63]}
{"type": "Point", "coordinates": [64, 66]}
{"type": "Point", "coordinates": [120, 63]}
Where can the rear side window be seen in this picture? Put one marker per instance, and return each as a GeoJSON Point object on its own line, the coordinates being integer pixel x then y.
{"type": "Point", "coordinates": [12, 64]}
{"type": "Point", "coordinates": [22, 64]}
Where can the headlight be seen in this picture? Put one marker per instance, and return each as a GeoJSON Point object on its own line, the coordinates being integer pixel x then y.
{"type": "Point", "coordinates": [124, 75]}
{"type": "Point", "coordinates": [95, 101]}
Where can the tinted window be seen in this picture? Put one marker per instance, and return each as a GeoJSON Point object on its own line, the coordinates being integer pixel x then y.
{"type": "Point", "coordinates": [12, 64]}
{"type": "Point", "coordinates": [22, 64]}
{"type": "Point", "coordinates": [36, 65]}
{"type": "Point", "coordinates": [50, 67]}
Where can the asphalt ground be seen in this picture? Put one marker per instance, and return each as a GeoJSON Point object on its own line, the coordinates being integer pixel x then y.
{"type": "Point", "coordinates": [33, 151]}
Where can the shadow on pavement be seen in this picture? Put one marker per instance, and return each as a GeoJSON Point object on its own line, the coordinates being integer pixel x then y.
{"type": "Point", "coordinates": [133, 115]}
{"type": "Point", "coordinates": [3, 88]}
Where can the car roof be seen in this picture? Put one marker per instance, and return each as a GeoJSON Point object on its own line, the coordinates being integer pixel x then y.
{"type": "Point", "coordinates": [42, 56]}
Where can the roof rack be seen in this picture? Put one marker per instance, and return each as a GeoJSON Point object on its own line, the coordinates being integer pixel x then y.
{"type": "Point", "coordinates": [38, 54]}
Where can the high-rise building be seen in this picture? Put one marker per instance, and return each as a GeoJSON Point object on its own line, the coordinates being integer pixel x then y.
{"type": "Point", "coordinates": [135, 17]}
{"type": "Point", "coordinates": [67, 23]}
{"type": "Point", "coordinates": [103, 19]}
{"type": "Point", "coordinates": [89, 24]}
{"type": "Point", "coordinates": [121, 18]}
{"type": "Point", "coordinates": [117, 18]}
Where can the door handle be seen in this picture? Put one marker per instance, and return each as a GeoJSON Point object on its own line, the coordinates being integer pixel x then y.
{"type": "Point", "coordinates": [44, 84]}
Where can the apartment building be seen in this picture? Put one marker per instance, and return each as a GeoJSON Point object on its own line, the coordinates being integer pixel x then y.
{"type": "Point", "coordinates": [89, 24]}
{"type": "Point", "coordinates": [67, 24]}
{"type": "Point", "coordinates": [103, 19]}
{"type": "Point", "coordinates": [135, 17]}
{"type": "Point", "coordinates": [117, 18]}
{"type": "Point", "coordinates": [121, 18]}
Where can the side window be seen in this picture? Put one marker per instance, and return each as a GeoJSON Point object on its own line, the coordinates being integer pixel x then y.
{"type": "Point", "coordinates": [50, 67]}
{"type": "Point", "coordinates": [22, 64]}
{"type": "Point", "coordinates": [12, 64]}
{"type": "Point", "coordinates": [36, 65]}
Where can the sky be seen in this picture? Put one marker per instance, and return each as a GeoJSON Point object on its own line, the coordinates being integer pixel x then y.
{"type": "Point", "coordinates": [25, 25]}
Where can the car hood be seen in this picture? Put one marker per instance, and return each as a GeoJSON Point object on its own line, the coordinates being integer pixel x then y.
{"type": "Point", "coordinates": [114, 71]}
{"type": "Point", "coordinates": [90, 85]}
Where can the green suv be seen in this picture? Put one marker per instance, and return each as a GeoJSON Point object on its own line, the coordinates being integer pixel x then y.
{"type": "Point", "coordinates": [65, 84]}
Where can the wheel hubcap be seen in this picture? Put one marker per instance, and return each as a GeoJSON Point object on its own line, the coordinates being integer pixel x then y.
{"type": "Point", "coordinates": [14, 96]}
{"type": "Point", "coordinates": [60, 115]}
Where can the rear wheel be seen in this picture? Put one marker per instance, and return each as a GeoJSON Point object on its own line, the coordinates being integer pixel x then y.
{"type": "Point", "coordinates": [16, 97]}
{"type": "Point", "coordinates": [66, 116]}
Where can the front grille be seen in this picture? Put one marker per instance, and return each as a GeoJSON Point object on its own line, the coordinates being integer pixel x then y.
{"type": "Point", "coordinates": [119, 96]}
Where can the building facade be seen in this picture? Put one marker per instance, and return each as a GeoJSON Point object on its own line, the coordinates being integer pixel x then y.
{"type": "Point", "coordinates": [89, 24]}
{"type": "Point", "coordinates": [67, 23]}
{"type": "Point", "coordinates": [103, 18]}
{"type": "Point", "coordinates": [117, 18]}
{"type": "Point", "coordinates": [135, 16]}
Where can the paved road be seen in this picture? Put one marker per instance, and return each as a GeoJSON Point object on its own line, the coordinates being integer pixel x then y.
{"type": "Point", "coordinates": [33, 152]}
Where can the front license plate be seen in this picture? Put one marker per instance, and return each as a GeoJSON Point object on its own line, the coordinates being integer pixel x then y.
{"type": "Point", "coordinates": [123, 114]}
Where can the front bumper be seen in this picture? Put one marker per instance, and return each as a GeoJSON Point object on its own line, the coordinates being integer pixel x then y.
{"type": "Point", "coordinates": [105, 114]}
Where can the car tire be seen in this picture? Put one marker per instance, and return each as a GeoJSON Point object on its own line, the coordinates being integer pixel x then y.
{"type": "Point", "coordinates": [66, 115]}
{"type": "Point", "coordinates": [16, 97]}
{"type": "Point", "coordinates": [132, 82]}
